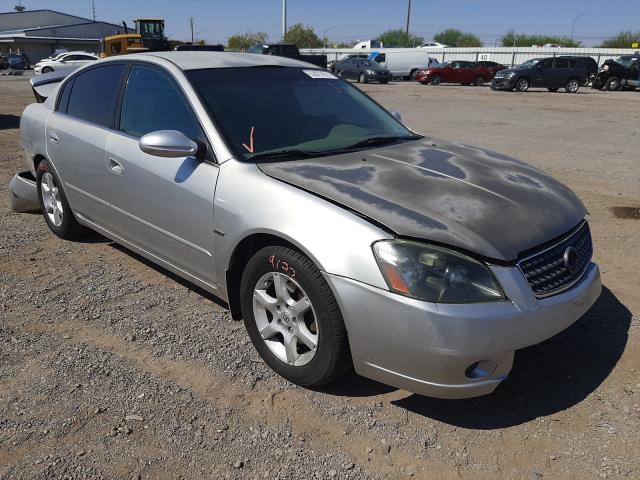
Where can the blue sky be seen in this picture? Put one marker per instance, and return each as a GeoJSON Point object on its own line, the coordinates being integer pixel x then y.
{"type": "Point", "coordinates": [215, 20]}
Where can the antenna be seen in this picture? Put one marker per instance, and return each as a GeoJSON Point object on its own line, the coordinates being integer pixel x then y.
{"type": "Point", "coordinates": [19, 7]}
{"type": "Point", "coordinates": [93, 9]}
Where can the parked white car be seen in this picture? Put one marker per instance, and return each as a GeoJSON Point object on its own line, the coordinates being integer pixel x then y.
{"type": "Point", "coordinates": [66, 60]}
{"type": "Point", "coordinates": [433, 45]}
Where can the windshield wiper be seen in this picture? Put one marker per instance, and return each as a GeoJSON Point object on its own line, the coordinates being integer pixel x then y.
{"type": "Point", "coordinates": [285, 153]}
{"type": "Point", "coordinates": [374, 141]}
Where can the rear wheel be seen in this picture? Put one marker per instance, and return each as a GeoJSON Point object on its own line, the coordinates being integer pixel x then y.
{"type": "Point", "coordinates": [572, 86]}
{"type": "Point", "coordinates": [436, 79]}
{"type": "Point", "coordinates": [478, 81]}
{"type": "Point", "coordinates": [613, 84]}
{"type": "Point", "coordinates": [412, 75]}
{"type": "Point", "coordinates": [522, 85]}
{"type": "Point", "coordinates": [54, 205]}
{"type": "Point", "coordinates": [292, 317]}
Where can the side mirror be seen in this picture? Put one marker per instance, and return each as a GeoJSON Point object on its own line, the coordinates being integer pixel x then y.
{"type": "Point", "coordinates": [168, 144]}
{"type": "Point", "coordinates": [397, 115]}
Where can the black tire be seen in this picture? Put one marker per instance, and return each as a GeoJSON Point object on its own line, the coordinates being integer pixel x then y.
{"type": "Point", "coordinates": [47, 70]}
{"type": "Point", "coordinates": [69, 227]}
{"type": "Point", "coordinates": [362, 78]}
{"type": "Point", "coordinates": [339, 74]}
{"type": "Point", "coordinates": [522, 85]}
{"type": "Point", "coordinates": [478, 81]}
{"type": "Point", "coordinates": [572, 86]}
{"type": "Point", "coordinates": [332, 357]}
{"type": "Point", "coordinates": [613, 84]}
{"type": "Point", "coordinates": [553, 89]}
{"type": "Point", "coordinates": [412, 75]}
{"type": "Point", "coordinates": [436, 79]}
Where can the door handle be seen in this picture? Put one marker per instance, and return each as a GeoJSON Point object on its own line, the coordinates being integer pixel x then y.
{"type": "Point", "coordinates": [115, 166]}
{"type": "Point", "coordinates": [53, 137]}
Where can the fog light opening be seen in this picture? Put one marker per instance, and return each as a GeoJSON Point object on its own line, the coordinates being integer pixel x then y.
{"type": "Point", "coordinates": [481, 369]}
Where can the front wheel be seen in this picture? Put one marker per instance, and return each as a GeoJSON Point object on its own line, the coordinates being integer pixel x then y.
{"type": "Point", "coordinates": [362, 78]}
{"type": "Point", "coordinates": [54, 205]}
{"type": "Point", "coordinates": [613, 84]}
{"type": "Point", "coordinates": [292, 317]}
{"type": "Point", "coordinates": [522, 85]}
{"type": "Point", "coordinates": [436, 79]}
{"type": "Point", "coordinates": [572, 86]}
{"type": "Point", "coordinates": [47, 70]}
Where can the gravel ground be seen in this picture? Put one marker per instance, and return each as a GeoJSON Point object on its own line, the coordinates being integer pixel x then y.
{"type": "Point", "coordinates": [113, 368]}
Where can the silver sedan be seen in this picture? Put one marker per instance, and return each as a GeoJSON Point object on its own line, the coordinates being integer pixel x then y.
{"type": "Point", "coordinates": [340, 236]}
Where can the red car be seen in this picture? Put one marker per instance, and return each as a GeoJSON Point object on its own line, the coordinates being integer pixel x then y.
{"type": "Point", "coordinates": [458, 71]}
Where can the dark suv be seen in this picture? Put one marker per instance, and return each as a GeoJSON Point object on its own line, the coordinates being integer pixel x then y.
{"type": "Point", "coordinates": [552, 73]}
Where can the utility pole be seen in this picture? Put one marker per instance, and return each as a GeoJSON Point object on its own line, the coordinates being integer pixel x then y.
{"type": "Point", "coordinates": [93, 9]}
{"type": "Point", "coordinates": [191, 23]}
{"type": "Point", "coordinates": [284, 18]}
{"type": "Point", "coordinates": [408, 18]}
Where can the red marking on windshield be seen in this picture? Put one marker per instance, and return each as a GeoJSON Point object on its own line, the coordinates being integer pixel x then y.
{"type": "Point", "coordinates": [250, 147]}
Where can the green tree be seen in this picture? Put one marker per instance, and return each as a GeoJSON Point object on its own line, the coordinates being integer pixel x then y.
{"type": "Point", "coordinates": [399, 37]}
{"type": "Point", "coordinates": [457, 38]}
{"type": "Point", "coordinates": [243, 41]}
{"type": "Point", "coordinates": [622, 40]}
{"type": "Point", "coordinates": [303, 36]}
{"type": "Point", "coordinates": [511, 39]}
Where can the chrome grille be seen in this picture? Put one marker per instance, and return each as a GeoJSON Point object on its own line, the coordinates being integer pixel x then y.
{"type": "Point", "coordinates": [548, 272]}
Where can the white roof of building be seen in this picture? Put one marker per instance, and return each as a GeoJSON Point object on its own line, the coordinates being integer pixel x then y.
{"type": "Point", "coordinates": [197, 60]}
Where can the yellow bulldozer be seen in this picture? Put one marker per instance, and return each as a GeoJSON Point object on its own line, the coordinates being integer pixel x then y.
{"type": "Point", "coordinates": [149, 37]}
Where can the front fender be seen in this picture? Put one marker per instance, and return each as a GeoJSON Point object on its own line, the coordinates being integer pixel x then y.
{"type": "Point", "coordinates": [248, 202]}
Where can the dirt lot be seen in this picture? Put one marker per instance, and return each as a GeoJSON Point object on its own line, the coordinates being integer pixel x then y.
{"type": "Point", "coordinates": [112, 368]}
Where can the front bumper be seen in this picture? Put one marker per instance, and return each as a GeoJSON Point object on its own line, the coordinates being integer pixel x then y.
{"type": "Point", "coordinates": [23, 194]}
{"type": "Point", "coordinates": [379, 77]}
{"type": "Point", "coordinates": [503, 83]}
{"type": "Point", "coordinates": [453, 351]}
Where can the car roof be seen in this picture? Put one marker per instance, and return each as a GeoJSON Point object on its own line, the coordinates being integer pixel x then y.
{"type": "Point", "coordinates": [190, 60]}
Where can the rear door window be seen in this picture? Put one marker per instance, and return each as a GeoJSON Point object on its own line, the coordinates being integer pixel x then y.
{"type": "Point", "coordinates": [562, 63]}
{"type": "Point", "coordinates": [94, 94]}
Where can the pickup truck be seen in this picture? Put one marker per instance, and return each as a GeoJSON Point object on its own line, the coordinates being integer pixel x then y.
{"type": "Point", "coordinates": [617, 74]}
{"type": "Point", "coordinates": [289, 50]}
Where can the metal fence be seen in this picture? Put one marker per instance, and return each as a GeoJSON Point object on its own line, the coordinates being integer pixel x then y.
{"type": "Point", "coordinates": [505, 55]}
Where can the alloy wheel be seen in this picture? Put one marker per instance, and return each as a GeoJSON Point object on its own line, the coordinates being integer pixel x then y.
{"type": "Point", "coordinates": [522, 85]}
{"type": "Point", "coordinates": [285, 318]}
{"type": "Point", "coordinates": [51, 199]}
{"type": "Point", "coordinates": [573, 86]}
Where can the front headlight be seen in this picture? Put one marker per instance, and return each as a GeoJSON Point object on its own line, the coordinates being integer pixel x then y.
{"type": "Point", "coordinates": [510, 74]}
{"type": "Point", "coordinates": [371, 72]}
{"type": "Point", "coordinates": [435, 274]}
{"type": "Point", "coordinates": [605, 68]}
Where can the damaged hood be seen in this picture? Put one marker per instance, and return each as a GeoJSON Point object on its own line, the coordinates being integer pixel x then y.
{"type": "Point", "coordinates": [458, 195]}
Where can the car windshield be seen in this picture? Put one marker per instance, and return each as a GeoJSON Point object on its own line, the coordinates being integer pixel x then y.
{"type": "Point", "coordinates": [626, 61]}
{"type": "Point", "coordinates": [527, 64]}
{"type": "Point", "coordinates": [274, 110]}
